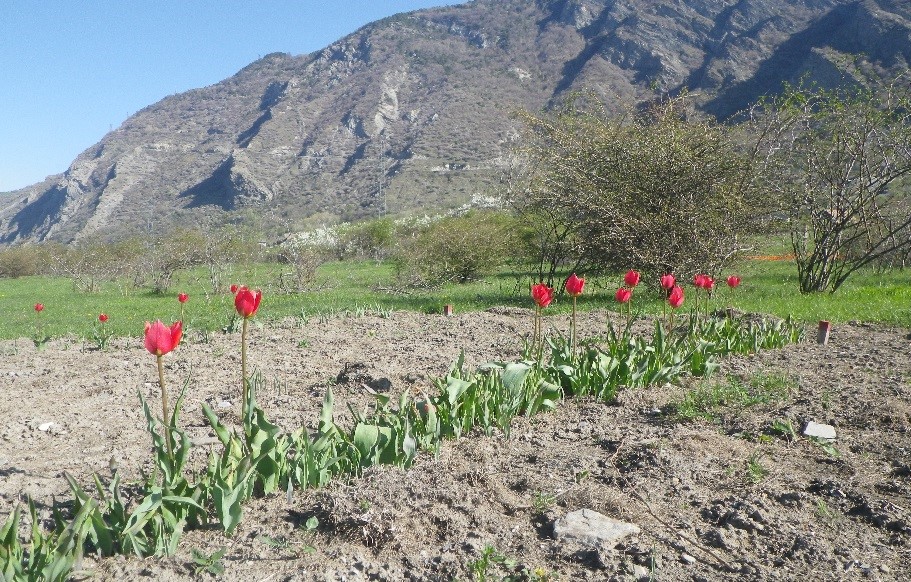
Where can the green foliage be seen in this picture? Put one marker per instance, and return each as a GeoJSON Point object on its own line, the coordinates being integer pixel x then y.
{"type": "Point", "coordinates": [490, 557]}
{"type": "Point", "coordinates": [705, 400]}
{"type": "Point", "coordinates": [826, 446]}
{"type": "Point", "coordinates": [49, 557]}
{"type": "Point", "coordinates": [756, 472]}
{"type": "Point", "coordinates": [101, 335]}
{"type": "Point", "coordinates": [785, 428]}
{"type": "Point", "coordinates": [212, 563]}
{"type": "Point", "coordinates": [542, 501]}
{"type": "Point", "coordinates": [372, 288]}
{"type": "Point", "coordinates": [493, 565]}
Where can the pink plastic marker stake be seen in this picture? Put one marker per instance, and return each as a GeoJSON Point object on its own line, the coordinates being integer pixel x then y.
{"type": "Point", "coordinates": [822, 337]}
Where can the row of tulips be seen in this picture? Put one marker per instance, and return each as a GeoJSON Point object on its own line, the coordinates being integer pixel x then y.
{"type": "Point", "coordinates": [543, 295]}
{"type": "Point", "coordinates": [263, 459]}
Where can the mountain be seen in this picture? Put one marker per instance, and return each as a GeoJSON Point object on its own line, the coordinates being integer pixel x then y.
{"type": "Point", "coordinates": [413, 112]}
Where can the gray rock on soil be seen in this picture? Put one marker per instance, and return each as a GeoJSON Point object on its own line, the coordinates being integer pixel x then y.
{"type": "Point", "coordinates": [590, 528]}
{"type": "Point", "coordinates": [820, 431]}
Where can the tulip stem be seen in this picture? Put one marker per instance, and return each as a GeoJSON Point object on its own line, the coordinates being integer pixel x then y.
{"type": "Point", "coordinates": [573, 330]}
{"type": "Point", "coordinates": [164, 407]}
{"type": "Point", "coordinates": [243, 370]}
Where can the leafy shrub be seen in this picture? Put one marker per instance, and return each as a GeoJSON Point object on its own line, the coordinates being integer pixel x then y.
{"type": "Point", "coordinates": [370, 239]}
{"type": "Point", "coordinates": [456, 249]}
{"type": "Point", "coordinates": [24, 261]}
{"type": "Point", "coordinates": [657, 189]}
{"type": "Point", "coordinates": [91, 262]}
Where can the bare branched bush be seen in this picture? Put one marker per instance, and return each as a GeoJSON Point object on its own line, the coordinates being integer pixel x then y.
{"type": "Point", "coordinates": [89, 263]}
{"type": "Point", "coordinates": [222, 249]}
{"type": "Point", "coordinates": [834, 159]}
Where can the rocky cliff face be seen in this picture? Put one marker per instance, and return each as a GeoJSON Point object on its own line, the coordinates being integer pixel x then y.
{"type": "Point", "coordinates": [413, 112]}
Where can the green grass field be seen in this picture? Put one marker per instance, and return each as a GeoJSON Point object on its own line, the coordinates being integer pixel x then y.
{"type": "Point", "coordinates": [768, 287]}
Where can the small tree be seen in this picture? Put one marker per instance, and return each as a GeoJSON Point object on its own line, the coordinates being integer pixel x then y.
{"type": "Point", "coordinates": [456, 249]}
{"type": "Point", "coordinates": [833, 158]}
{"type": "Point", "coordinates": [89, 263]}
{"type": "Point", "coordinates": [655, 190]}
{"type": "Point", "coordinates": [370, 239]}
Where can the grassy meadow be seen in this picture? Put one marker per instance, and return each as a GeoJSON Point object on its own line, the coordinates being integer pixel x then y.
{"type": "Point", "coordinates": [359, 286]}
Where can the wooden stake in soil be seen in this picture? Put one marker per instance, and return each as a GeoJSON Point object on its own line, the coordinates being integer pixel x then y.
{"type": "Point", "coordinates": [822, 336]}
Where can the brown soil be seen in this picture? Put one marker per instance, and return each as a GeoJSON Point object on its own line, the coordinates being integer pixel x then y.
{"type": "Point", "coordinates": [704, 515]}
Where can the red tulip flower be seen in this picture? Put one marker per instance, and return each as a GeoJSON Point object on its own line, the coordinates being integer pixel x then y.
{"type": "Point", "coordinates": [675, 298]}
{"type": "Point", "coordinates": [574, 285]}
{"type": "Point", "coordinates": [103, 317]}
{"type": "Point", "coordinates": [542, 294]}
{"type": "Point", "coordinates": [668, 281]}
{"type": "Point", "coordinates": [247, 302]}
{"type": "Point", "coordinates": [708, 283]}
{"type": "Point", "coordinates": [160, 339]}
{"type": "Point", "coordinates": [183, 297]}
{"type": "Point", "coordinates": [631, 278]}
{"type": "Point", "coordinates": [624, 294]}
{"type": "Point", "coordinates": [699, 280]}
{"type": "Point", "coordinates": [39, 307]}
{"type": "Point", "coordinates": [733, 281]}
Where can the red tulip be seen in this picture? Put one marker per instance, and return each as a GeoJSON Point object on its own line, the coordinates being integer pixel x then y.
{"type": "Point", "coordinates": [631, 278]}
{"type": "Point", "coordinates": [699, 280]}
{"type": "Point", "coordinates": [39, 307]}
{"type": "Point", "coordinates": [708, 283]}
{"type": "Point", "coordinates": [668, 281]}
{"type": "Point", "coordinates": [234, 289]}
{"type": "Point", "coordinates": [247, 302]}
{"type": "Point", "coordinates": [624, 294]}
{"type": "Point", "coordinates": [733, 281]}
{"type": "Point", "coordinates": [574, 285]}
{"type": "Point", "coordinates": [675, 299]}
{"type": "Point", "coordinates": [103, 317]}
{"type": "Point", "coordinates": [542, 294]}
{"type": "Point", "coordinates": [161, 339]}
{"type": "Point", "coordinates": [183, 297]}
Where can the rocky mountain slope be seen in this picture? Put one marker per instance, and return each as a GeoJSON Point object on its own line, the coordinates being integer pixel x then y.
{"type": "Point", "coordinates": [412, 112]}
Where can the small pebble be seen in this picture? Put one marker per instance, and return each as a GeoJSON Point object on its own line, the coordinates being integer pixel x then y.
{"type": "Point", "coordinates": [687, 559]}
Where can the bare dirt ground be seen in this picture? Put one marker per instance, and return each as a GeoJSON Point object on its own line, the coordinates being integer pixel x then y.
{"type": "Point", "coordinates": [715, 500]}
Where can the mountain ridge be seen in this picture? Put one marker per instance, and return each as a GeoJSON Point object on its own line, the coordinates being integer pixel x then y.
{"type": "Point", "coordinates": [412, 112]}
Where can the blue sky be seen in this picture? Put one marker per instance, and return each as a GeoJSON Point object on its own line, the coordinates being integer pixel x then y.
{"type": "Point", "coordinates": [72, 70]}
